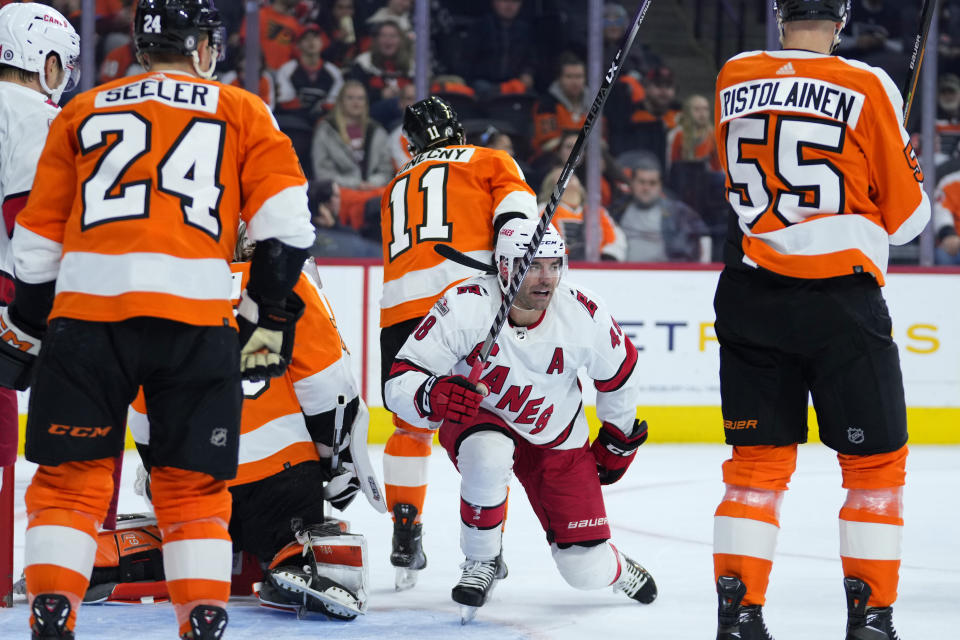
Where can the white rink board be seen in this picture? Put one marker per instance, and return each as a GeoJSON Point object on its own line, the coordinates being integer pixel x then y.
{"type": "Point", "coordinates": [669, 316]}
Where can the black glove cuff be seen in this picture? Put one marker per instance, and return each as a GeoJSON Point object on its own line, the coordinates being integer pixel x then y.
{"type": "Point", "coordinates": [31, 306]}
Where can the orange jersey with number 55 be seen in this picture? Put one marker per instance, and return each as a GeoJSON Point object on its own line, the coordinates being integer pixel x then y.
{"type": "Point", "coordinates": [138, 197]}
{"type": "Point", "coordinates": [449, 195]}
{"type": "Point", "coordinates": [820, 172]}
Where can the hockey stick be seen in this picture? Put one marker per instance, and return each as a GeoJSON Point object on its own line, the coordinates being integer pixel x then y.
{"type": "Point", "coordinates": [453, 255]}
{"type": "Point", "coordinates": [916, 57]}
{"type": "Point", "coordinates": [572, 161]}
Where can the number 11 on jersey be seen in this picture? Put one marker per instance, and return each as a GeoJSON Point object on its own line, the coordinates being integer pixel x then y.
{"type": "Point", "coordinates": [433, 207]}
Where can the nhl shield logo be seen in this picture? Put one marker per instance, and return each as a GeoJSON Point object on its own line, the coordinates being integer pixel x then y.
{"type": "Point", "coordinates": [855, 435]}
{"type": "Point", "coordinates": [219, 437]}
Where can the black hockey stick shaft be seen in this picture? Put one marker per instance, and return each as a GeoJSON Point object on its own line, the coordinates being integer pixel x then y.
{"type": "Point", "coordinates": [459, 257]}
{"type": "Point", "coordinates": [916, 57]}
{"type": "Point", "coordinates": [592, 116]}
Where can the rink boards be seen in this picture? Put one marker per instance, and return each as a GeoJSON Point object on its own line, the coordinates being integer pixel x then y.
{"type": "Point", "coordinates": [668, 313]}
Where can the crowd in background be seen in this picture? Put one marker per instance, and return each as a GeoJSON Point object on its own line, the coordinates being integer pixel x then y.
{"type": "Point", "coordinates": [338, 74]}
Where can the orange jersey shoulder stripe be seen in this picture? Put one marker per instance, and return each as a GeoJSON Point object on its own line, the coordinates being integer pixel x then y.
{"type": "Point", "coordinates": [449, 195]}
{"type": "Point", "coordinates": [820, 171]}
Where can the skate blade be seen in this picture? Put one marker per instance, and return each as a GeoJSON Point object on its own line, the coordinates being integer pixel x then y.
{"type": "Point", "coordinates": [405, 578]}
{"type": "Point", "coordinates": [467, 613]}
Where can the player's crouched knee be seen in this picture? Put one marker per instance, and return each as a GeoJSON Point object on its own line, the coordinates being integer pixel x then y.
{"type": "Point", "coordinates": [584, 567]}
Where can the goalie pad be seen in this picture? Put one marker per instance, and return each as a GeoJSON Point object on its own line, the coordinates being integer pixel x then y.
{"type": "Point", "coordinates": [128, 568]}
{"type": "Point", "coordinates": [323, 571]}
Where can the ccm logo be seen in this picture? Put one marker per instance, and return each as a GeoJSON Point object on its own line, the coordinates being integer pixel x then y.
{"type": "Point", "coordinates": [592, 522]}
{"type": "Point", "coordinates": [739, 424]}
{"type": "Point", "coordinates": [79, 432]}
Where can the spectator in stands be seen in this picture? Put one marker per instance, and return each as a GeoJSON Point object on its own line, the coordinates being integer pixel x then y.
{"type": "Point", "coordinates": [692, 140]}
{"type": "Point", "coordinates": [387, 66]}
{"type": "Point", "coordinates": [352, 150]}
{"type": "Point", "coordinates": [396, 11]}
{"type": "Point", "coordinates": [339, 32]}
{"type": "Point", "coordinates": [308, 85]}
{"type": "Point", "coordinates": [651, 119]}
{"type": "Point", "coordinates": [615, 23]}
{"type": "Point", "coordinates": [120, 62]}
{"type": "Point", "coordinates": [493, 138]}
{"type": "Point", "coordinates": [502, 49]}
{"type": "Point", "coordinates": [279, 29]}
{"type": "Point", "coordinates": [335, 239]}
{"type": "Point", "coordinates": [876, 33]}
{"type": "Point", "coordinates": [948, 113]}
{"type": "Point", "coordinates": [565, 106]}
{"type": "Point", "coordinates": [399, 145]}
{"type": "Point", "coordinates": [545, 161]}
{"type": "Point", "coordinates": [569, 220]}
{"type": "Point", "coordinates": [70, 9]}
{"type": "Point", "coordinates": [659, 228]}
{"type": "Point", "coordinates": [946, 219]}
{"type": "Point", "coordinates": [237, 78]}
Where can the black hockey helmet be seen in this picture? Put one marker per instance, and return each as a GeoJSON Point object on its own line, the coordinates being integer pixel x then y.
{"type": "Point", "coordinates": [176, 26]}
{"type": "Point", "coordinates": [430, 123]}
{"type": "Point", "coordinates": [791, 10]}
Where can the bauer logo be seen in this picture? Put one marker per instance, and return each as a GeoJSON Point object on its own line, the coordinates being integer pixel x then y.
{"type": "Point", "coordinates": [583, 524]}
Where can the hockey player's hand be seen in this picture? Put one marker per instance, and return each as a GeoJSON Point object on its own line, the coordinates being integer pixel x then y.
{"type": "Point", "coordinates": [342, 489]}
{"type": "Point", "coordinates": [614, 451]}
{"type": "Point", "coordinates": [448, 398]}
{"type": "Point", "coordinates": [19, 347]}
{"type": "Point", "coordinates": [266, 334]}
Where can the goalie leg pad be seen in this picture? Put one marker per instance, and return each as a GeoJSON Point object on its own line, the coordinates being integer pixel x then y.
{"type": "Point", "coordinates": [325, 571]}
{"type": "Point", "coordinates": [129, 563]}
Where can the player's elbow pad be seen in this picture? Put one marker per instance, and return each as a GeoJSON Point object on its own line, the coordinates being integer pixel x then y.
{"type": "Point", "coordinates": [274, 269]}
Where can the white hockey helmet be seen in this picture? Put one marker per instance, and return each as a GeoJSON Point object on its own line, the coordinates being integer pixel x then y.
{"type": "Point", "coordinates": [512, 243]}
{"type": "Point", "coordinates": [29, 32]}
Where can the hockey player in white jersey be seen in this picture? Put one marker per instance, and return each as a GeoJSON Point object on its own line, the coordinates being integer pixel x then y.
{"type": "Point", "coordinates": [38, 61]}
{"type": "Point", "coordinates": [526, 415]}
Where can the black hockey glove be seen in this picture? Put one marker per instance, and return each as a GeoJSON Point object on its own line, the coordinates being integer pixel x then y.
{"type": "Point", "coordinates": [19, 348]}
{"type": "Point", "coordinates": [450, 398]}
{"type": "Point", "coordinates": [266, 334]}
{"type": "Point", "coordinates": [614, 451]}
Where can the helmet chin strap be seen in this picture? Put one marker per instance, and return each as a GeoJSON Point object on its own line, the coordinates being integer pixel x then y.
{"type": "Point", "coordinates": [206, 75]}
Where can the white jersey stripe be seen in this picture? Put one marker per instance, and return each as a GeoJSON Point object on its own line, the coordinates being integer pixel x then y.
{"type": "Point", "coordinates": [113, 275]}
{"type": "Point", "coordinates": [36, 258]}
{"type": "Point", "coordinates": [318, 393]}
{"type": "Point", "coordinates": [273, 437]}
{"type": "Point", "coordinates": [424, 283]}
{"type": "Point", "coordinates": [275, 219]}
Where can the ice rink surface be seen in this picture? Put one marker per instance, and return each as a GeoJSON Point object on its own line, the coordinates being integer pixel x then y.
{"type": "Point", "coordinates": [661, 515]}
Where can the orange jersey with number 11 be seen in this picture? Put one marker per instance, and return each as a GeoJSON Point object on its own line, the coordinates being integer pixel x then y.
{"type": "Point", "coordinates": [449, 195]}
{"type": "Point", "coordinates": [820, 171]}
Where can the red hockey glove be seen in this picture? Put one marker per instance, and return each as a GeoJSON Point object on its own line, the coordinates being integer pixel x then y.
{"type": "Point", "coordinates": [448, 398]}
{"type": "Point", "coordinates": [614, 451]}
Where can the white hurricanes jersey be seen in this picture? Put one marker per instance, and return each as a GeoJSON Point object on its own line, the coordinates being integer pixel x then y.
{"type": "Point", "coordinates": [25, 117]}
{"type": "Point", "coordinates": [532, 371]}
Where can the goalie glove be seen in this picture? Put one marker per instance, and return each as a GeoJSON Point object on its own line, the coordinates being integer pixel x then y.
{"type": "Point", "coordinates": [19, 348]}
{"type": "Point", "coordinates": [342, 489]}
{"type": "Point", "coordinates": [266, 334]}
{"type": "Point", "coordinates": [614, 451]}
{"type": "Point", "coordinates": [447, 398]}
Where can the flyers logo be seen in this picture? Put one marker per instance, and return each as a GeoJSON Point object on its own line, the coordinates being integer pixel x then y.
{"type": "Point", "coordinates": [913, 163]}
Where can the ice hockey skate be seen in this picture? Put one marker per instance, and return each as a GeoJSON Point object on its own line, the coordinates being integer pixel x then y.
{"type": "Point", "coordinates": [636, 582]}
{"type": "Point", "coordinates": [477, 579]}
{"type": "Point", "coordinates": [734, 621]}
{"type": "Point", "coordinates": [207, 622]}
{"type": "Point", "coordinates": [407, 556]}
{"type": "Point", "coordinates": [50, 612]}
{"type": "Point", "coordinates": [863, 622]}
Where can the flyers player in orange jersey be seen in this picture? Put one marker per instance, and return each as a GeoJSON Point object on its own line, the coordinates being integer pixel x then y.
{"type": "Point", "coordinates": [821, 179]}
{"type": "Point", "coordinates": [449, 193]}
{"type": "Point", "coordinates": [125, 251]}
{"type": "Point", "coordinates": [303, 440]}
